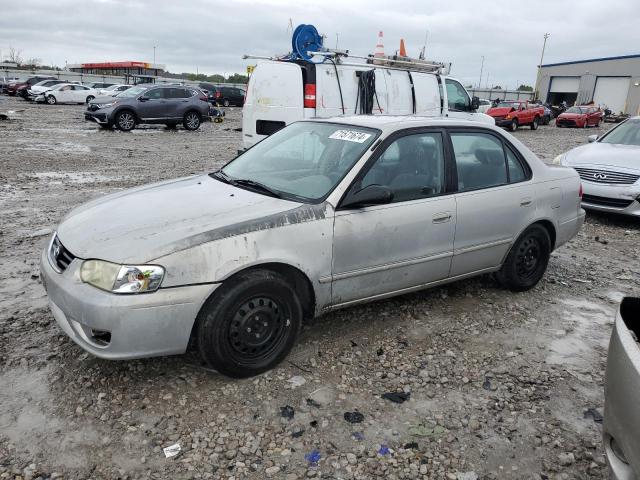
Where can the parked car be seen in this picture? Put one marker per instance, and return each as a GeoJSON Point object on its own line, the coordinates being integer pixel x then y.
{"type": "Point", "coordinates": [621, 426]}
{"type": "Point", "coordinates": [113, 90]}
{"type": "Point", "coordinates": [237, 259]}
{"type": "Point", "coordinates": [227, 96]}
{"type": "Point", "coordinates": [150, 103]}
{"type": "Point", "coordinates": [609, 169]}
{"type": "Point", "coordinates": [282, 92]}
{"type": "Point", "coordinates": [5, 81]}
{"type": "Point", "coordinates": [581, 116]}
{"type": "Point", "coordinates": [513, 114]}
{"type": "Point", "coordinates": [66, 93]}
{"type": "Point", "coordinates": [40, 87]}
{"type": "Point", "coordinates": [484, 105]}
{"type": "Point", "coordinates": [100, 85]}
{"type": "Point", "coordinates": [15, 88]}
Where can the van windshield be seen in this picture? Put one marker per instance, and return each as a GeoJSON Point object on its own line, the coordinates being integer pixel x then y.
{"type": "Point", "coordinates": [304, 161]}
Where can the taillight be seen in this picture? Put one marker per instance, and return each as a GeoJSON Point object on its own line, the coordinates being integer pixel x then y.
{"type": "Point", "coordinates": [310, 95]}
{"type": "Point", "coordinates": [218, 94]}
{"type": "Point", "coordinates": [580, 191]}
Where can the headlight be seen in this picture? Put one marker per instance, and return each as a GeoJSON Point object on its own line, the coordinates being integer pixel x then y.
{"type": "Point", "coordinates": [122, 278]}
{"type": "Point", "coordinates": [558, 159]}
{"type": "Point", "coordinates": [106, 105]}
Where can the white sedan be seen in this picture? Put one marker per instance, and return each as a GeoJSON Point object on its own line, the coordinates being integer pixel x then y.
{"type": "Point", "coordinates": [113, 90]}
{"type": "Point", "coordinates": [67, 93]}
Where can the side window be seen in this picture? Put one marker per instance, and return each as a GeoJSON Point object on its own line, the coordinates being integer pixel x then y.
{"type": "Point", "coordinates": [154, 94]}
{"type": "Point", "coordinates": [480, 161]}
{"type": "Point", "coordinates": [457, 96]}
{"type": "Point", "coordinates": [177, 93]}
{"type": "Point", "coordinates": [516, 170]}
{"type": "Point", "coordinates": [412, 167]}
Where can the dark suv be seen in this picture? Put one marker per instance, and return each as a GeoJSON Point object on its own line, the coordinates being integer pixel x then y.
{"type": "Point", "coordinates": [148, 103]}
{"type": "Point", "coordinates": [226, 96]}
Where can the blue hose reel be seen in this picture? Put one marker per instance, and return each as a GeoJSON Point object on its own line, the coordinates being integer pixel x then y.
{"type": "Point", "coordinates": [306, 39]}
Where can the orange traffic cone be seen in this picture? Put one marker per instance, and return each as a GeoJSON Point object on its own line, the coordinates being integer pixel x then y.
{"type": "Point", "coordinates": [403, 51]}
{"type": "Point", "coordinates": [379, 46]}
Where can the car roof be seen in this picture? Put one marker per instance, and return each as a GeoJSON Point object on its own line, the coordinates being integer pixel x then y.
{"type": "Point", "coordinates": [398, 122]}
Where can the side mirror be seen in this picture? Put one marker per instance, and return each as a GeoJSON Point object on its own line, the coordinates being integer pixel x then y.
{"type": "Point", "coordinates": [369, 195]}
{"type": "Point", "coordinates": [475, 103]}
{"type": "Point", "coordinates": [143, 99]}
{"type": "Point", "coordinates": [592, 138]}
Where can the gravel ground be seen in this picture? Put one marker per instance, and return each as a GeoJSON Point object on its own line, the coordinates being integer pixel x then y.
{"type": "Point", "coordinates": [501, 385]}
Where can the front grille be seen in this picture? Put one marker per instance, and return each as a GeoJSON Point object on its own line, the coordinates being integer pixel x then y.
{"type": "Point", "coordinates": [606, 202]}
{"type": "Point", "coordinates": [59, 256]}
{"type": "Point", "coordinates": [499, 117]}
{"type": "Point", "coordinates": [606, 176]}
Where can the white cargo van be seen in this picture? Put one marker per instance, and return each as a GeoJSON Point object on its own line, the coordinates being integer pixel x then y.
{"type": "Point", "coordinates": [281, 92]}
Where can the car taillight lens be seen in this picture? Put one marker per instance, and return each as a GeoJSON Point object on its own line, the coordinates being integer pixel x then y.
{"type": "Point", "coordinates": [218, 94]}
{"type": "Point", "coordinates": [580, 191]}
{"type": "Point", "coordinates": [310, 95]}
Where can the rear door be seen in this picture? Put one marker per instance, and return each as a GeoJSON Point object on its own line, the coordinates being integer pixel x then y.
{"type": "Point", "coordinates": [495, 200]}
{"type": "Point", "coordinates": [65, 94]}
{"type": "Point", "coordinates": [274, 99]}
{"type": "Point", "coordinates": [79, 94]}
{"type": "Point", "coordinates": [177, 101]}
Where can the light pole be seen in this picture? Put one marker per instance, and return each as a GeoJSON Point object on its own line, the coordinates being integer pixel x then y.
{"type": "Point", "coordinates": [544, 46]}
{"type": "Point", "coordinates": [481, 68]}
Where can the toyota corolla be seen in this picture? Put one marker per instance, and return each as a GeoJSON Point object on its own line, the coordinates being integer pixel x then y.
{"type": "Point", "coordinates": [321, 215]}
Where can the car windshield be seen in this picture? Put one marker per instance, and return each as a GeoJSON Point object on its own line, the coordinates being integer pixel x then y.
{"type": "Point", "coordinates": [509, 105]}
{"type": "Point", "coordinates": [303, 162]}
{"type": "Point", "coordinates": [577, 110]}
{"type": "Point", "coordinates": [627, 133]}
{"type": "Point", "coordinates": [133, 92]}
{"type": "Point", "coordinates": [112, 87]}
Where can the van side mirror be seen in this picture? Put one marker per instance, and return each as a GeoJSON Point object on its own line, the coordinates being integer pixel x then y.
{"type": "Point", "coordinates": [592, 138]}
{"type": "Point", "coordinates": [369, 195]}
{"type": "Point", "coordinates": [475, 103]}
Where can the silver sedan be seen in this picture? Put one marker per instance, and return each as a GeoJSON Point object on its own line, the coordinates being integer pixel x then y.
{"type": "Point", "coordinates": [321, 215]}
{"type": "Point", "coordinates": [609, 167]}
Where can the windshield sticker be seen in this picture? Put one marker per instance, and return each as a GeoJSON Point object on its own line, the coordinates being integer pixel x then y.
{"type": "Point", "coordinates": [350, 136]}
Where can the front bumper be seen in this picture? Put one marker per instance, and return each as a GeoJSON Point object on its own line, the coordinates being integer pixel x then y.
{"type": "Point", "coordinates": [98, 117]}
{"type": "Point", "coordinates": [503, 122]}
{"type": "Point", "coordinates": [622, 391]}
{"type": "Point", "coordinates": [621, 199]}
{"type": "Point", "coordinates": [143, 325]}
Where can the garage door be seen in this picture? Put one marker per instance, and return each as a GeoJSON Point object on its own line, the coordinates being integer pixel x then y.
{"type": "Point", "coordinates": [612, 92]}
{"type": "Point", "coordinates": [565, 84]}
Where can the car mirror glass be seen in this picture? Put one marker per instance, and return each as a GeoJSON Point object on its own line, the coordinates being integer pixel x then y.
{"type": "Point", "coordinates": [369, 195]}
{"type": "Point", "coordinates": [592, 138]}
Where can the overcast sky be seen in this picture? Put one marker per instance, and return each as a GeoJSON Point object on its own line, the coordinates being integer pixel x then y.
{"type": "Point", "coordinates": [211, 36]}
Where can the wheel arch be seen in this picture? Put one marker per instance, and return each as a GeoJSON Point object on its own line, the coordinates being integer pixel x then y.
{"type": "Point", "coordinates": [128, 109]}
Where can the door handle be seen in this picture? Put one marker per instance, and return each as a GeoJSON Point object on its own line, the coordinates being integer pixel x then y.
{"type": "Point", "coordinates": [525, 202]}
{"type": "Point", "coordinates": [441, 217]}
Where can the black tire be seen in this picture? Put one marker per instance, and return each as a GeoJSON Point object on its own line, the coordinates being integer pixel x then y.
{"type": "Point", "coordinates": [89, 98]}
{"type": "Point", "coordinates": [534, 124]}
{"type": "Point", "coordinates": [250, 324]}
{"type": "Point", "coordinates": [513, 126]}
{"type": "Point", "coordinates": [125, 120]}
{"type": "Point", "coordinates": [225, 102]}
{"type": "Point", "coordinates": [527, 260]}
{"type": "Point", "coordinates": [191, 120]}
{"type": "Point", "coordinates": [51, 100]}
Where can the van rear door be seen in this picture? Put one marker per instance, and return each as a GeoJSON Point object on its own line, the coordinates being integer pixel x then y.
{"type": "Point", "coordinates": [274, 99]}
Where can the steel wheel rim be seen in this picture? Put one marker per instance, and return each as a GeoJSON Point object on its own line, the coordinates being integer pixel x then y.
{"type": "Point", "coordinates": [126, 121]}
{"type": "Point", "coordinates": [51, 100]}
{"type": "Point", "coordinates": [528, 257]}
{"type": "Point", "coordinates": [192, 120]}
{"type": "Point", "coordinates": [258, 329]}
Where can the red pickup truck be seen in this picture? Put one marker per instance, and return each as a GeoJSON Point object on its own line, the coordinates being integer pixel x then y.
{"type": "Point", "coordinates": [514, 114]}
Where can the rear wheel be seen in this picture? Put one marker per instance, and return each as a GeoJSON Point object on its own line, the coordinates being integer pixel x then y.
{"type": "Point", "coordinates": [51, 100]}
{"type": "Point", "coordinates": [513, 126]}
{"type": "Point", "coordinates": [225, 102]}
{"type": "Point", "coordinates": [527, 260]}
{"type": "Point", "coordinates": [125, 121]}
{"type": "Point", "coordinates": [191, 120]}
{"type": "Point", "coordinates": [250, 324]}
{"type": "Point", "coordinates": [534, 124]}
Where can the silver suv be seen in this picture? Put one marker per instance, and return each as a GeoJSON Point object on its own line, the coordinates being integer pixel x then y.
{"type": "Point", "coordinates": [168, 104]}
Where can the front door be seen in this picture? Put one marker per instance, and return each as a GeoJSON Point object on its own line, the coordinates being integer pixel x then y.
{"type": "Point", "coordinates": [152, 105]}
{"type": "Point", "coordinates": [404, 244]}
{"type": "Point", "coordinates": [457, 99]}
{"type": "Point", "coordinates": [495, 200]}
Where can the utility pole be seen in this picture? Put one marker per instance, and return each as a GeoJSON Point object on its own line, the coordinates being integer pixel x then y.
{"type": "Point", "coordinates": [544, 46]}
{"type": "Point", "coordinates": [154, 56]}
{"type": "Point", "coordinates": [337, 34]}
{"type": "Point", "coordinates": [481, 68]}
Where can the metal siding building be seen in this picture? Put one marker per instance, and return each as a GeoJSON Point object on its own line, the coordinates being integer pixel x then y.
{"type": "Point", "coordinates": [613, 82]}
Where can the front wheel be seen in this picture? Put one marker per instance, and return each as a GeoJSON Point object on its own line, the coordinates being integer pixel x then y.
{"type": "Point", "coordinates": [527, 260]}
{"type": "Point", "coordinates": [534, 124]}
{"type": "Point", "coordinates": [89, 98]}
{"type": "Point", "coordinates": [191, 121]}
{"type": "Point", "coordinates": [51, 100]}
{"type": "Point", "coordinates": [125, 121]}
{"type": "Point", "coordinates": [514, 125]}
{"type": "Point", "coordinates": [250, 324]}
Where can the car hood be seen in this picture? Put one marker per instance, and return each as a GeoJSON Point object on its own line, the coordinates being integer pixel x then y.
{"type": "Point", "coordinates": [625, 157]}
{"type": "Point", "coordinates": [145, 223]}
{"type": "Point", "coordinates": [104, 99]}
{"type": "Point", "coordinates": [498, 111]}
